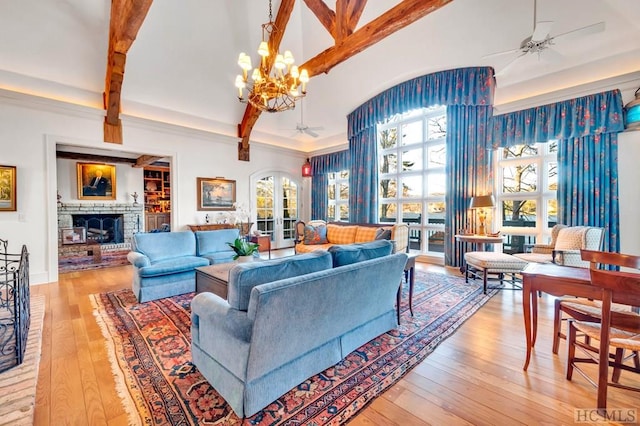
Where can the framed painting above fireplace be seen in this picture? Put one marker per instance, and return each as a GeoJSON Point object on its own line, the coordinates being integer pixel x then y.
{"type": "Point", "coordinates": [96, 181]}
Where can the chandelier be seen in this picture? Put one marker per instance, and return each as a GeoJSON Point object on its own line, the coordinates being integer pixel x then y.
{"type": "Point", "coordinates": [271, 90]}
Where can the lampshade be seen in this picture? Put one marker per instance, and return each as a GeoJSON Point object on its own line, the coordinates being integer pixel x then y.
{"type": "Point", "coordinates": [632, 113]}
{"type": "Point", "coordinates": [306, 169]}
{"type": "Point", "coordinates": [482, 201]}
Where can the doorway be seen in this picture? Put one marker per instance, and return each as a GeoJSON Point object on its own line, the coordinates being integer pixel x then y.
{"type": "Point", "coordinates": [276, 200]}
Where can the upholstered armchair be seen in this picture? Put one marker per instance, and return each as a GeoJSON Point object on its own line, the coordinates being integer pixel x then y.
{"type": "Point", "coordinates": [566, 243]}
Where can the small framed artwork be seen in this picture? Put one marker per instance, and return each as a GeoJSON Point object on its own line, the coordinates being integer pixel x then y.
{"type": "Point", "coordinates": [76, 235]}
{"type": "Point", "coordinates": [7, 188]}
{"type": "Point", "coordinates": [216, 194]}
{"type": "Point", "coordinates": [96, 181]}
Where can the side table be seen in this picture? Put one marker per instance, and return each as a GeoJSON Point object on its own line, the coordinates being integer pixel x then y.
{"type": "Point", "coordinates": [409, 275]}
{"type": "Point", "coordinates": [263, 241]}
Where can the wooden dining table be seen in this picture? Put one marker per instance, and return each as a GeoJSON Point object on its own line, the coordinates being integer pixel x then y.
{"type": "Point", "coordinates": [556, 280]}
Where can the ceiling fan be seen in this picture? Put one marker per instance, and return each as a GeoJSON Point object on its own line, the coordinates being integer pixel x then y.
{"type": "Point", "coordinates": [302, 128]}
{"type": "Point", "coordinates": [541, 40]}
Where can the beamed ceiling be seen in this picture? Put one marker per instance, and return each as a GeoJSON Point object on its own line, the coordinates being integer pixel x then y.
{"type": "Point", "coordinates": [176, 61]}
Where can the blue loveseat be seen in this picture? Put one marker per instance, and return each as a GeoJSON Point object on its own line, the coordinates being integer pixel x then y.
{"type": "Point", "coordinates": [288, 319]}
{"type": "Point", "coordinates": [164, 262]}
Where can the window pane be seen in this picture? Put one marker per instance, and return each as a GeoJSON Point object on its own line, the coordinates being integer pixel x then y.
{"type": "Point", "coordinates": [412, 132]}
{"type": "Point", "coordinates": [412, 212]}
{"type": "Point", "coordinates": [388, 188]}
{"type": "Point", "coordinates": [436, 241]}
{"type": "Point", "coordinates": [517, 243]}
{"type": "Point", "coordinates": [436, 184]}
{"type": "Point", "coordinates": [518, 151]}
{"type": "Point", "coordinates": [436, 212]}
{"type": "Point", "coordinates": [552, 213]}
{"type": "Point", "coordinates": [553, 146]}
{"type": "Point", "coordinates": [331, 211]}
{"type": "Point", "coordinates": [411, 187]}
{"type": "Point", "coordinates": [519, 213]}
{"type": "Point", "coordinates": [389, 163]}
{"type": "Point", "coordinates": [437, 127]}
{"type": "Point", "coordinates": [332, 192]}
{"type": "Point", "coordinates": [344, 174]}
{"type": "Point", "coordinates": [344, 191]}
{"type": "Point", "coordinates": [553, 176]}
{"type": "Point", "coordinates": [388, 138]}
{"type": "Point", "coordinates": [388, 212]}
{"type": "Point", "coordinates": [436, 156]}
{"type": "Point", "coordinates": [521, 178]}
{"type": "Point", "coordinates": [331, 176]}
{"type": "Point", "coordinates": [412, 160]}
{"type": "Point", "coordinates": [344, 212]}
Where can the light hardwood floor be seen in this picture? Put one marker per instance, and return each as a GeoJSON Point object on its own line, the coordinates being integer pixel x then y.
{"type": "Point", "coordinates": [473, 377]}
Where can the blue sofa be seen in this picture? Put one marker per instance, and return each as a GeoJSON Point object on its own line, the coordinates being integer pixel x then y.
{"type": "Point", "coordinates": [164, 263]}
{"type": "Point", "coordinates": [288, 319]}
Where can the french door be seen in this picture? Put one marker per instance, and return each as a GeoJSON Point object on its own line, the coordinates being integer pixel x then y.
{"type": "Point", "coordinates": [276, 201]}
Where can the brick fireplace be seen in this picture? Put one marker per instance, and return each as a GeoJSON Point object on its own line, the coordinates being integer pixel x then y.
{"type": "Point", "coordinates": [108, 227]}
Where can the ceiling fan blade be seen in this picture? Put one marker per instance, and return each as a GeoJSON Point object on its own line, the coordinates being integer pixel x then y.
{"type": "Point", "coordinates": [311, 132]}
{"type": "Point", "coordinates": [589, 29]}
{"type": "Point", "coordinates": [542, 30]}
{"type": "Point", "coordinates": [316, 128]}
{"type": "Point", "coordinates": [509, 64]}
{"type": "Point", "coordinates": [506, 52]}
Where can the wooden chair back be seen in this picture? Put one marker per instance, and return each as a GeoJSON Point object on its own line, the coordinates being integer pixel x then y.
{"type": "Point", "coordinates": [617, 287]}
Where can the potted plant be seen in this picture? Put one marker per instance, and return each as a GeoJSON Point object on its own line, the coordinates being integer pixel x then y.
{"type": "Point", "coordinates": [244, 249]}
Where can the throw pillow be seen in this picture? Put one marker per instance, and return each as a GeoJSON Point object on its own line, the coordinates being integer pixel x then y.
{"type": "Point", "coordinates": [383, 234]}
{"type": "Point", "coordinates": [315, 235]}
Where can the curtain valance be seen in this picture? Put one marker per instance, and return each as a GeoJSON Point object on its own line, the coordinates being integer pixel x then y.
{"type": "Point", "coordinates": [574, 118]}
{"type": "Point", "coordinates": [462, 86]}
{"type": "Point", "coordinates": [330, 163]}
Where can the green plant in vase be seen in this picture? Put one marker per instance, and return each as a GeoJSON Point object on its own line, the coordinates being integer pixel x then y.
{"type": "Point", "coordinates": [243, 248]}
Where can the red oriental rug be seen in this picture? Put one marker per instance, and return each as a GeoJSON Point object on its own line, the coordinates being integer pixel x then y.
{"type": "Point", "coordinates": [149, 345]}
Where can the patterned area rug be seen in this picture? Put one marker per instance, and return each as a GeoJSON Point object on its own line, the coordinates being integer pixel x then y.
{"type": "Point", "coordinates": [109, 258]}
{"type": "Point", "coordinates": [151, 359]}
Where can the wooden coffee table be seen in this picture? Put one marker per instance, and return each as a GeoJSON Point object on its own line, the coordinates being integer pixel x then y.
{"type": "Point", "coordinates": [214, 278]}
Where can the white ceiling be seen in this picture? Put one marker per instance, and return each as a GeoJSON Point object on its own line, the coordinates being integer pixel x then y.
{"type": "Point", "coordinates": [182, 66]}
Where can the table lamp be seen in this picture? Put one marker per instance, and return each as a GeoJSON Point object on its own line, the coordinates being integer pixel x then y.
{"type": "Point", "coordinates": [480, 203]}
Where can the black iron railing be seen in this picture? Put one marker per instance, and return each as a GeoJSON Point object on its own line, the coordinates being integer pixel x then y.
{"type": "Point", "coordinates": [15, 306]}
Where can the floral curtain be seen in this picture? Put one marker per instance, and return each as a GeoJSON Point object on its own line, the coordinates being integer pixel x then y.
{"type": "Point", "coordinates": [587, 132]}
{"type": "Point", "coordinates": [321, 166]}
{"type": "Point", "coordinates": [472, 86]}
{"type": "Point", "coordinates": [468, 169]}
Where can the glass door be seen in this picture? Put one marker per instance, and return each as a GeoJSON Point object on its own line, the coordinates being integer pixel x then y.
{"type": "Point", "coordinates": [276, 201]}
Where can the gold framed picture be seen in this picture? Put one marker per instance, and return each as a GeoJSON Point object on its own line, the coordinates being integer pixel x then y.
{"type": "Point", "coordinates": [216, 194]}
{"type": "Point", "coordinates": [96, 181]}
{"type": "Point", "coordinates": [8, 189]}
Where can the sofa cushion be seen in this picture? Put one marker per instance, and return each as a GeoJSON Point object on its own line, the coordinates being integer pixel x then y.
{"type": "Point", "coordinates": [215, 241]}
{"type": "Point", "coordinates": [165, 245]}
{"type": "Point", "coordinates": [173, 266]}
{"type": "Point", "coordinates": [339, 234]}
{"type": "Point", "coordinates": [220, 257]}
{"type": "Point", "coordinates": [244, 276]}
{"type": "Point", "coordinates": [366, 233]}
{"type": "Point", "coordinates": [308, 248]}
{"type": "Point", "coordinates": [352, 253]}
{"type": "Point", "coordinates": [315, 234]}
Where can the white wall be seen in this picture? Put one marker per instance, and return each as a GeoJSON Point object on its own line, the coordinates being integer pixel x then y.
{"type": "Point", "coordinates": [30, 128]}
{"type": "Point", "coordinates": [629, 185]}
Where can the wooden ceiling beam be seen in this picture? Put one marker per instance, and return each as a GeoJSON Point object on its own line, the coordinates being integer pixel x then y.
{"type": "Point", "coordinates": [252, 113]}
{"type": "Point", "coordinates": [340, 25]}
{"type": "Point", "coordinates": [145, 160]}
{"type": "Point", "coordinates": [326, 16]}
{"type": "Point", "coordinates": [127, 17]}
{"type": "Point", "coordinates": [396, 18]}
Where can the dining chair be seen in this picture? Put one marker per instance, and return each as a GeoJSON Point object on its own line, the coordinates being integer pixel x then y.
{"type": "Point", "coordinates": [617, 330]}
{"type": "Point", "coordinates": [583, 309]}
